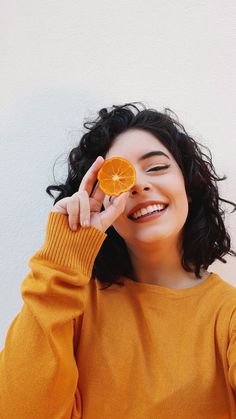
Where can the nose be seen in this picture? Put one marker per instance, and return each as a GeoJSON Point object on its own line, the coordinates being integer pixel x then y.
{"type": "Point", "coordinates": [139, 188]}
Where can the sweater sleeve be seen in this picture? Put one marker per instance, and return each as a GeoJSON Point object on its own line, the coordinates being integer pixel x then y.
{"type": "Point", "coordinates": [38, 371]}
{"type": "Point", "coordinates": [231, 353]}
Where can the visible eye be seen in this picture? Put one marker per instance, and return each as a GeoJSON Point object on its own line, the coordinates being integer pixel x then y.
{"type": "Point", "coordinates": [156, 168]}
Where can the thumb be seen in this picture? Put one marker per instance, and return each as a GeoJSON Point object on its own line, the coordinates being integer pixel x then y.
{"type": "Point", "coordinates": [116, 208]}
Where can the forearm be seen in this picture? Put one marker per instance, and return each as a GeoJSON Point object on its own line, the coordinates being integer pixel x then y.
{"type": "Point", "coordinates": [37, 366]}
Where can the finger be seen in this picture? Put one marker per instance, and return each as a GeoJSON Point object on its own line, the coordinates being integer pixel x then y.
{"type": "Point", "coordinates": [114, 210]}
{"type": "Point", "coordinates": [73, 208]}
{"type": "Point", "coordinates": [61, 206]}
{"type": "Point", "coordinates": [84, 209]}
{"type": "Point", "coordinates": [98, 194]}
{"type": "Point", "coordinates": [90, 177]}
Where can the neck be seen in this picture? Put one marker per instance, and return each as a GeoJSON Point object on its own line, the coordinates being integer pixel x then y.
{"type": "Point", "coordinates": [161, 265]}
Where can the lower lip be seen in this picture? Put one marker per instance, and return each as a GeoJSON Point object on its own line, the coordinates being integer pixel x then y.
{"type": "Point", "coordinates": [150, 217]}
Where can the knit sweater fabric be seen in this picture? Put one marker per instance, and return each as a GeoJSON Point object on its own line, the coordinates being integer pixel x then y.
{"type": "Point", "coordinates": [138, 351]}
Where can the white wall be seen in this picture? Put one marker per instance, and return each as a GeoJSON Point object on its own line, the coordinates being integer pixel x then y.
{"type": "Point", "coordinates": [61, 61]}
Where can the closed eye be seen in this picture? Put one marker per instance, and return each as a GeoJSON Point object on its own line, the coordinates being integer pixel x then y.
{"type": "Point", "coordinates": [156, 168]}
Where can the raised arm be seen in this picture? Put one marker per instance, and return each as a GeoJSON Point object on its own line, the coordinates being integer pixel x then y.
{"type": "Point", "coordinates": [38, 372]}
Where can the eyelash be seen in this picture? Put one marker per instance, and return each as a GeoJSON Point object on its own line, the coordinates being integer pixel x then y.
{"type": "Point", "coordinates": [156, 168]}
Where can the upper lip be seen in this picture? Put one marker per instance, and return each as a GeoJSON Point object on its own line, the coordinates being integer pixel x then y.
{"type": "Point", "coordinates": [144, 205]}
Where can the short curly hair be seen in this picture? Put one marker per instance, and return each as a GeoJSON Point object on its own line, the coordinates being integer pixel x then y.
{"type": "Point", "coordinates": [205, 237]}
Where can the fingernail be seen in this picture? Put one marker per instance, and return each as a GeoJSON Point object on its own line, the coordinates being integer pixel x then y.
{"type": "Point", "coordinates": [74, 227]}
{"type": "Point", "coordinates": [86, 223]}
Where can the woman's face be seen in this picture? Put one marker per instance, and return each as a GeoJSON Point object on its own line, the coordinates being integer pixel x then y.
{"type": "Point", "coordinates": [159, 181]}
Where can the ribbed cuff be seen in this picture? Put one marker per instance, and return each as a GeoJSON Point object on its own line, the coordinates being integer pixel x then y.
{"type": "Point", "coordinates": [71, 249]}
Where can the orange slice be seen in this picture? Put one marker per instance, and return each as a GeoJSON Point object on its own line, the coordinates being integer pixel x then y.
{"type": "Point", "coordinates": [116, 175]}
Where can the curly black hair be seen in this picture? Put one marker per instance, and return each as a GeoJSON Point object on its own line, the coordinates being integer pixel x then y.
{"type": "Point", "coordinates": [205, 237]}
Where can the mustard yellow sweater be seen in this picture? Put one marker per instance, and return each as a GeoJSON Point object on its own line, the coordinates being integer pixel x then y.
{"type": "Point", "coordinates": [135, 352]}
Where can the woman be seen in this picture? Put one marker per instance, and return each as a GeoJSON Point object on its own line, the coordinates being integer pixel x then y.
{"type": "Point", "coordinates": [121, 318]}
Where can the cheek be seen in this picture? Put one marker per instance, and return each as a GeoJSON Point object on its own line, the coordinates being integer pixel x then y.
{"type": "Point", "coordinates": [183, 206]}
{"type": "Point", "coordinates": [182, 201]}
{"type": "Point", "coordinates": [179, 196]}
{"type": "Point", "coordinates": [176, 187]}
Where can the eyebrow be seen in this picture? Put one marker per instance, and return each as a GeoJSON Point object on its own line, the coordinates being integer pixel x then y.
{"type": "Point", "coordinates": [153, 153]}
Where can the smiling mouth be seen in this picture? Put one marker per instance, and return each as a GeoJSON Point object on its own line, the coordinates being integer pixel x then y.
{"type": "Point", "coordinates": [148, 214]}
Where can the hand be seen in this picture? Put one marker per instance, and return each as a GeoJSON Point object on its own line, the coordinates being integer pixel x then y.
{"type": "Point", "coordinates": [84, 210]}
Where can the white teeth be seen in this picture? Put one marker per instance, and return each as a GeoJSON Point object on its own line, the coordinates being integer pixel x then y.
{"type": "Point", "coordinates": [148, 210]}
{"type": "Point", "coordinates": [143, 211]}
